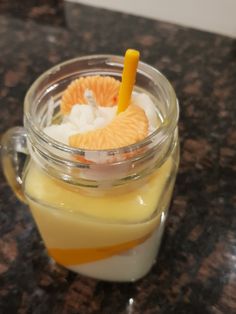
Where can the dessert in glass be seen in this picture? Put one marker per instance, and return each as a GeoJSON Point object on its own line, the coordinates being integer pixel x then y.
{"type": "Point", "coordinates": [102, 159]}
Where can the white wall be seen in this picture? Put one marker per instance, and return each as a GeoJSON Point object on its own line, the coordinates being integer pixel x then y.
{"type": "Point", "coordinates": [217, 16]}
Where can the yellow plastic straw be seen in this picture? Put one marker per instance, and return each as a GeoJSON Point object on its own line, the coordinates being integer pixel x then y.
{"type": "Point", "coordinates": [128, 79]}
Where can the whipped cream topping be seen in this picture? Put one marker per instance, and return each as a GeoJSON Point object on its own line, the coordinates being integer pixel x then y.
{"type": "Point", "coordinates": [84, 118]}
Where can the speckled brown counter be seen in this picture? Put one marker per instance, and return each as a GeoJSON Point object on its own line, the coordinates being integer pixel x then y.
{"type": "Point", "coordinates": [196, 268]}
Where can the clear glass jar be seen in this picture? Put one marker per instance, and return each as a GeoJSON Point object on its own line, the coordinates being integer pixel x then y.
{"type": "Point", "coordinates": [102, 218]}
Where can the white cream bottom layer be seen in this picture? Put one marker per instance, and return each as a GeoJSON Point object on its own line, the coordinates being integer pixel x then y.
{"type": "Point", "coordinates": [129, 266]}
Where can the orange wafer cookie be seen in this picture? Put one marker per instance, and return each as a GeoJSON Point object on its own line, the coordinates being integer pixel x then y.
{"type": "Point", "coordinates": [105, 90]}
{"type": "Point", "coordinates": [127, 128]}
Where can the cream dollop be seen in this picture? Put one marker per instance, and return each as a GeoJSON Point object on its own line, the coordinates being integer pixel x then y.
{"type": "Point", "coordinates": [84, 118]}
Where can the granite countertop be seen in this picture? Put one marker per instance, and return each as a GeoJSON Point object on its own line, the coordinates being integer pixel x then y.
{"type": "Point", "coordinates": [196, 268]}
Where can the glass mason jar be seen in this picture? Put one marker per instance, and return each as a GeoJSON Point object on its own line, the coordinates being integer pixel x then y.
{"type": "Point", "coordinates": [100, 213]}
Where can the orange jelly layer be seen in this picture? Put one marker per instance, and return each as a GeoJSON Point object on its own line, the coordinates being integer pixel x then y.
{"type": "Point", "coordinates": [68, 257]}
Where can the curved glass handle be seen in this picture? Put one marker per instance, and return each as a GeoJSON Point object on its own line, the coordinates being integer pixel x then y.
{"type": "Point", "coordinates": [13, 155]}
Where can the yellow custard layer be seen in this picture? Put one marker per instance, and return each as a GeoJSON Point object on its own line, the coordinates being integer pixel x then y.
{"type": "Point", "coordinates": [111, 223]}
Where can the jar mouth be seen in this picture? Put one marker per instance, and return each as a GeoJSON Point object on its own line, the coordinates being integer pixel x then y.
{"type": "Point", "coordinates": [33, 96]}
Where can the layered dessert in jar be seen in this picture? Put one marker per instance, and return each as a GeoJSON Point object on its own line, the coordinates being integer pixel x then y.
{"type": "Point", "coordinates": [110, 230]}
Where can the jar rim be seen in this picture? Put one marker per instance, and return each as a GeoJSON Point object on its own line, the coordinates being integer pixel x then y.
{"type": "Point", "coordinates": [160, 133]}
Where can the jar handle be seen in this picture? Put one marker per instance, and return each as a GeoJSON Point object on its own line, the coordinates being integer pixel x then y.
{"type": "Point", "coordinates": [13, 153]}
